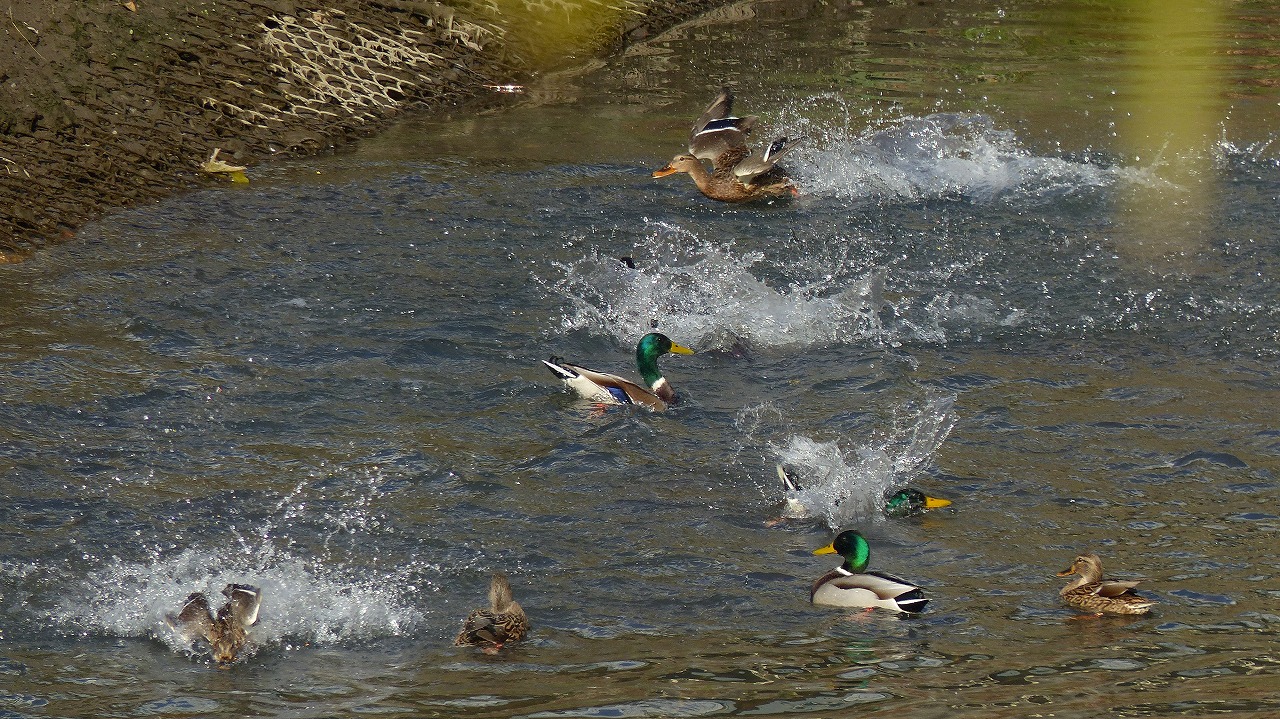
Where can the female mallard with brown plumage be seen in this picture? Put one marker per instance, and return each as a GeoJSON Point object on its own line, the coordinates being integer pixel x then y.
{"type": "Point", "coordinates": [1089, 592]}
{"type": "Point", "coordinates": [503, 622]}
{"type": "Point", "coordinates": [224, 632]}
{"type": "Point", "coordinates": [737, 173]}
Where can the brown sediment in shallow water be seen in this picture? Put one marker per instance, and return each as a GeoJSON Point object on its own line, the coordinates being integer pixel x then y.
{"type": "Point", "coordinates": [108, 103]}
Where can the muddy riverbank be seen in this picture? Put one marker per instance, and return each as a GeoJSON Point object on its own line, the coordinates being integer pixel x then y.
{"type": "Point", "coordinates": [107, 104]}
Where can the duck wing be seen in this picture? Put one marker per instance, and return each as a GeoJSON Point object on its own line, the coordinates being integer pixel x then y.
{"type": "Point", "coordinates": [716, 131]}
{"type": "Point", "coordinates": [485, 627]}
{"type": "Point", "coordinates": [1115, 588]}
{"type": "Point", "coordinates": [194, 620]}
{"type": "Point", "coordinates": [752, 166]}
{"type": "Point", "coordinates": [243, 601]}
{"type": "Point", "coordinates": [602, 386]}
{"type": "Point", "coordinates": [720, 108]}
{"type": "Point", "coordinates": [721, 136]}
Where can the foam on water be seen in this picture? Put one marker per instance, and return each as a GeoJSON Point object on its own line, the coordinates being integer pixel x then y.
{"type": "Point", "coordinates": [844, 487]}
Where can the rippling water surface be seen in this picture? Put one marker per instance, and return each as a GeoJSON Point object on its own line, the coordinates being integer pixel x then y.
{"type": "Point", "coordinates": [327, 384]}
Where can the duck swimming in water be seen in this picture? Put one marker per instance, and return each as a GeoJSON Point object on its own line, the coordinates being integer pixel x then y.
{"type": "Point", "coordinates": [852, 585]}
{"type": "Point", "coordinates": [503, 622]}
{"type": "Point", "coordinates": [608, 388]}
{"type": "Point", "coordinates": [1089, 592]}
{"type": "Point", "coordinates": [737, 173]}
{"type": "Point", "coordinates": [224, 632]}
{"type": "Point", "coordinates": [906, 502]}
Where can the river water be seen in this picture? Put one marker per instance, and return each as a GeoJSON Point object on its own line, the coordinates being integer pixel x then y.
{"type": "Point", "coordinates": [1012, 279]}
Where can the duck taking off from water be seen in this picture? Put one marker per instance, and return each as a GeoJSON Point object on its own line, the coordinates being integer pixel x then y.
{"type": "Point", "coordinates": [1089, 592]}
{"type": "Point", "coordinates": [852, 585]}
{"type": "Point", "coordinates": [737, 173]}
{"type": "Point", "coordinates": [224, 632]}
{"type": "Point", "coordinates": [504, 621]}
{"type": "Point", "coordinates": [605, 388]}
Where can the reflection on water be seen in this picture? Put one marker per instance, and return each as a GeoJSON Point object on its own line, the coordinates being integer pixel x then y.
{"type": "Point", "coordinates": [1173, 104]}
{"type": "Point", "coordinates": [327, 384]}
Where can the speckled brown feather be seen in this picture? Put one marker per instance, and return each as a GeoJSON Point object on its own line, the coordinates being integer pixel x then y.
{"type": "Point", "coordinates": [225, 632]}
{"type": "Point", "coordinates": [503, 622]}
{"type": "Point", "coordinates": [1091, 593]}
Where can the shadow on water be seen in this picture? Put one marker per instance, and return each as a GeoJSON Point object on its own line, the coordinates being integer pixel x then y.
{"type": "Point", "coordinates": [327, 384]}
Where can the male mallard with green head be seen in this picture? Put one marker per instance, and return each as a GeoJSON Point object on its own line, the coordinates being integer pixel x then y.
{"type": "Point", "coordinates": [224, 632]}
{"type": "Point", "coordinates": [503, 622]}
{"type": "Point", "coordinates": [852, 585]}
{"type": "Point", "coordinates": [910, 502]}
{"type": "Point", "coordinates": [737, 174]}
{"type": "Point", "coordinates": [1089, 592]}
{"type": "Point", "coordinates": [906, 502]}
{"type": "Point", "coordinates": [605, 388]}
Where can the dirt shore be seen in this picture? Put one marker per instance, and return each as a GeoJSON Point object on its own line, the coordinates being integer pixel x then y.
{"type": "Point", "coordinates": [107, 103]}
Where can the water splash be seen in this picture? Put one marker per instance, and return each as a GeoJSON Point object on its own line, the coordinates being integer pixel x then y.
{"type": "Point", "coordinates": [710, 295]}
{"type": "Point", "coordinates": [303, 601]}
{"type": "Point", "coordinates": [707, 294]}
{"type": "Point", "coordinates": [845, 487]}
{"type": "Point", "coordinates": [317, 594]}
{"type": "Point", "coordinates": [938, 156]}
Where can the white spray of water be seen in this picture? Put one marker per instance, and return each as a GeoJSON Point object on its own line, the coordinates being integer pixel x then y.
{"type": "Point", "coordinates": [706, 294]}
{"type": "Point", "coordinates": [303, 601]}
{"type": "Point", "coordinates": [709, 293]}
{"type": "Point", "coordinates": [943, 155]}
{"type": "Point", "coordinates": [307, 598]}
{"type": "Point", "coordinates": [845, 487]}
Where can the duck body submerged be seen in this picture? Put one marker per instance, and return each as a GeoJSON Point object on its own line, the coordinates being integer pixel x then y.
{"type": "Point", "coordinates": [807, 502]}
{"type": "Point", "coordinates": [497, 625]}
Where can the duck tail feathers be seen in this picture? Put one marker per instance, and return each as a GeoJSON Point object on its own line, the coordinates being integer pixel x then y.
{"type": "Point", "coordinates": [912, 602]}
{"type": "Point", "coordinates": [556, 365]}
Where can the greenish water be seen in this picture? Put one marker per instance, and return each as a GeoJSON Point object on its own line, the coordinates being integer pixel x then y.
{"type": "Point", "coordinates": [328, 384]}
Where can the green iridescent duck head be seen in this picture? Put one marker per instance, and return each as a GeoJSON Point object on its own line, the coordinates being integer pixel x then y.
{"type": "Point", "coordinates": [851, 545]}
{"type": "Point", "coordinates": [651, 347]}
{"type": "Point", "coordinates": [908, 502]}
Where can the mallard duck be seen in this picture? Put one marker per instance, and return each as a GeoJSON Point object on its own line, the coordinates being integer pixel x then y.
{"type": "Point", "coordinates": [851, 585]}
{"type": "Point", "coordinates": [909, 502]}
{"type": "Point", "coordinates": [737, 173]}
{"type": "Point", "coordinates": [224, 632]}
{"type": "Point", "coordinates": [905, 502]}
{"type": "Point", "coordinates": [612, 389]}
{"type": "Point", "coordinates": [503, 622]}
{"type": "Point", "coordinates": [1089, 592]}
